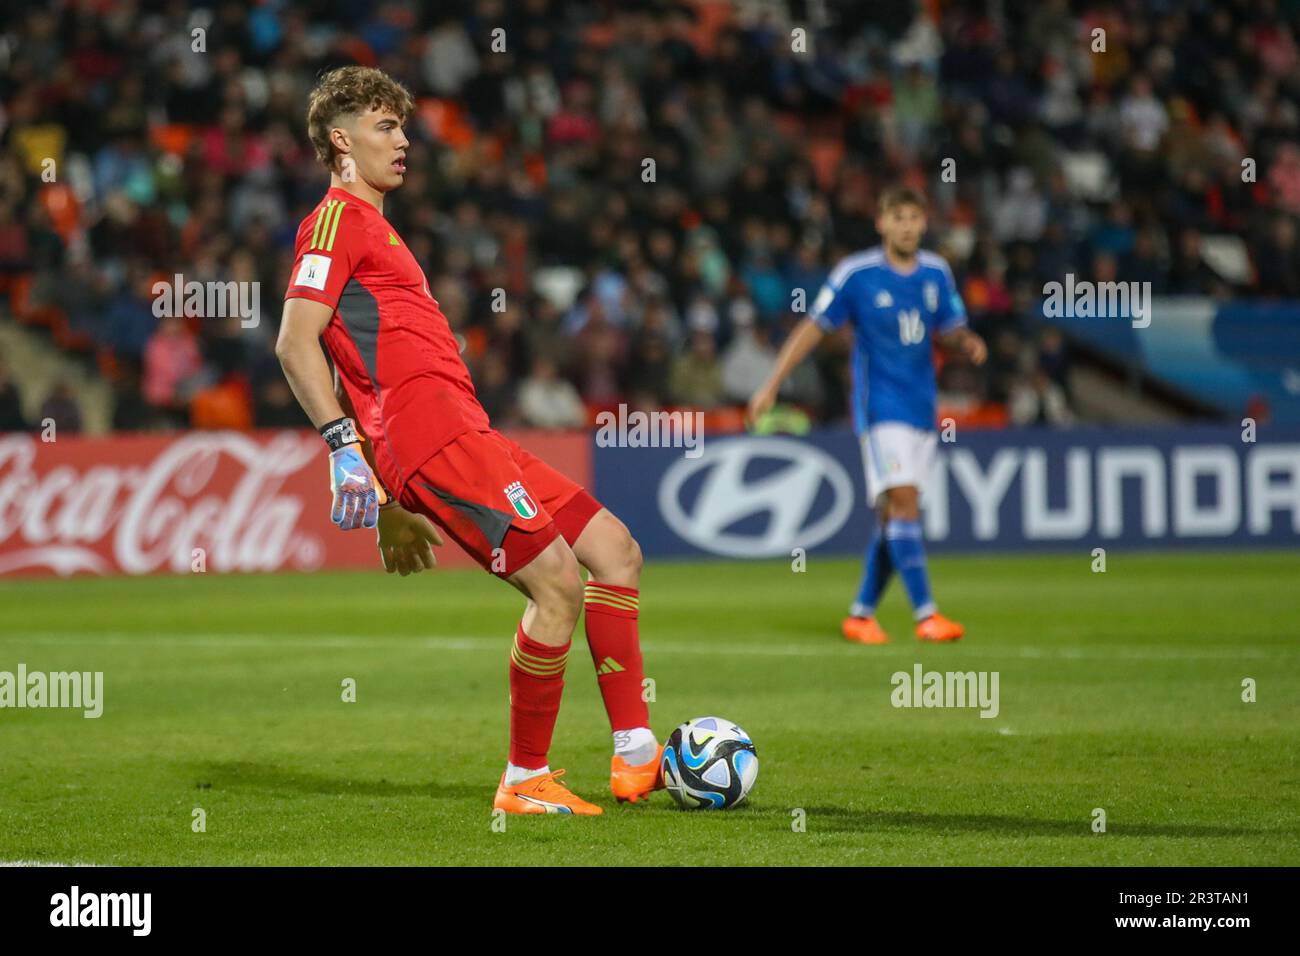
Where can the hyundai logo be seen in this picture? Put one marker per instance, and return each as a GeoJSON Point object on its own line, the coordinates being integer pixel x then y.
{"type": "Point", "coordinates": [786, 495]}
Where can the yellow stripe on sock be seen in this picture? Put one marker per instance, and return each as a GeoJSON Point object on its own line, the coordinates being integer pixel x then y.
{"type": "Point", "coordinates": [536, 665]}
{"type": "Point", "coordinates": [610, 602]}
{"type": "Point", "coordinates": [538, 658]}
{"type": "Point", "coordinates": [593, 603]}
{"type": "Point", "coordinates": [597, 595]}
{"type": "Point", "coordinates": [611, 593]}
{"type": "Point", "coordinates": [536, 670]}
{"type": "Point", "coordinates": [630, 603]}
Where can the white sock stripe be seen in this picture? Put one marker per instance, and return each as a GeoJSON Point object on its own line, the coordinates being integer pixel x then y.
{"type": "Point", "coordinates": [516, 775]}
{"type": "Point", "coordinates": [893, 533]}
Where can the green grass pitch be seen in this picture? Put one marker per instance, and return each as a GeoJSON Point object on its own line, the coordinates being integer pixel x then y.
{"type": "Point", "coordinates": [1120, 691]}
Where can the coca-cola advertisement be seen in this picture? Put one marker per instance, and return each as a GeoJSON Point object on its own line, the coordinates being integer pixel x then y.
{"type": "Point", "coordinates": [200, 501]}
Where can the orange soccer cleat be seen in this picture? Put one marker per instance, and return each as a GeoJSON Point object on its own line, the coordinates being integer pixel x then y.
{"type": "Point", "coordinates": [633, 783]}
{"type": "Point", "coordinates": [936, 627]}
{"type": "Point", "coordinates": [863, 630]}
{"type": "Point", "coordinates": [542, 794]}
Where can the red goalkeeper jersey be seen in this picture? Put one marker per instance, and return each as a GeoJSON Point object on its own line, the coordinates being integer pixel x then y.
{"type": "Point", "coordinates": [393, 347]}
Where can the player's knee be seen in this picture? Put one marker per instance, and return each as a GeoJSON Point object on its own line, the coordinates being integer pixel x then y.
{"type": "Point", "coordinates": [635, 559]}
{"type": "Point", "coordinates": [557, 586]}
{"type": "Point", "coordinates": [610, 552]}
{"type": "Point", "coordinates": [570, 588]}
{"type": "Point", "coordinates": [625, 558]}
{"type": "Point", "coordinates": [904, 512]}
{"type": "Point", "coordinates": [903, 505]}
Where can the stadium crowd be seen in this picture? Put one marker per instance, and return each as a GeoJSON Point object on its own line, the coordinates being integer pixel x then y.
{"type": "Point", "coordinates": [142, 140]}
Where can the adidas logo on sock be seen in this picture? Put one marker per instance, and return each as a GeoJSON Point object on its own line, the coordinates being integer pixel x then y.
{"type": "Point", "coordinates": [609, 666]}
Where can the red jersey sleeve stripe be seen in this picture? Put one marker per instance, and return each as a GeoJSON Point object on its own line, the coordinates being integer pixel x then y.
{"type": "Point", "coordinates": [302, 292]}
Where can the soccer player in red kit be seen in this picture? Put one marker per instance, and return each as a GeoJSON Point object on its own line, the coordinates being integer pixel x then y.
{"type": "Point", "coordinates": [409, 442]}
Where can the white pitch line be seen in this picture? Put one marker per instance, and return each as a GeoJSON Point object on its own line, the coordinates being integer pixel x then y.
{"type": "Point", "coordinates": [4, 863]}
{"type": "Point", "coordinates": [709, 648]}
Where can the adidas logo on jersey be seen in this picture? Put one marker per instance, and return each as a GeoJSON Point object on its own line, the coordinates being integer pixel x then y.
{"type": "Point", "coordinates": [883, 299]}
{"type": "Point", "coordinates": [609, 666]}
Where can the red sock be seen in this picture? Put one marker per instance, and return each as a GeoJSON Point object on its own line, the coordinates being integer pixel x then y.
{"type": "Point", "coordinates": [536, 683]}
{"type": "Point", "coordinates": [611, 613]}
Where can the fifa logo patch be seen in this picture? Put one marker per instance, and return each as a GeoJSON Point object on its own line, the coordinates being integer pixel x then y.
{"type": "Point", "coordinates": [520, 501]}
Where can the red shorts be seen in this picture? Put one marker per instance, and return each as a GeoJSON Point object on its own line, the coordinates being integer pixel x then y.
{"type": "Point", "coordinates": [502, 504]}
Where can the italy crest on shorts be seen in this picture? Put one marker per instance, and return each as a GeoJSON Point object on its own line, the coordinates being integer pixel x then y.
{"type": "Point", "coordinates": [520, 500]}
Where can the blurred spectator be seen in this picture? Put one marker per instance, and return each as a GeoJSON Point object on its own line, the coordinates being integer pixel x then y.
{"type": "Point", "coordinates": [1037, 400]}
{"type": "Point", "coordinates": [1188, 272]}
{"type": "Point", "coordinates": [171, 364]}
{"type": "Point", "coordinates": [61, 407]}
{"type": "Point", "coordinates": [748, 359]}
{"type": "Point", "coordinates": [548, 401]}
{"type": "Point", "coordinates": [1278, 260]}
{"type": "Point", "coordinates": [1054, 358]}
{"type": "Point", "coordinates": [496, 391]}
{"type": "Point", "coordinates": [276, 406]}
{"type": "Point", "coordinates": [1004, 365]}
{"type": "Point", "coordinates": [598, 359]}
{"type": "Point", "coordinates": [1143, 118]}
{"type": "Point", "coordinates": [959, 382]}
{"type": "Point", "coordinates": [11, 404]}
{"type": "Point", "coordinates": [1144, 262]}
{"type": "Point", "coordinates": [131, 412]}
{"type": "Point", "coordinates": [1022, 211]}
{"type": "Point", "coordinates": [650, 361]}
{"type": "Point", "coordinates": [696, 376]}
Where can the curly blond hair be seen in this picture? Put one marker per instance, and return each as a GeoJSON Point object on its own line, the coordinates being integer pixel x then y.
{"type": "Point", "coordinates": [350, 91]}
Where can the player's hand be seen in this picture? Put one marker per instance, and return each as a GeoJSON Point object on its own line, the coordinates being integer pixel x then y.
{"type": "Point", "coordinates": [760, 404]}
{"type": "Point", "coordinates": [357, 493]}
{"type": "Point", "coordinates": [973, 347]}
{"type": "Point", "coordinates": [406, 541]}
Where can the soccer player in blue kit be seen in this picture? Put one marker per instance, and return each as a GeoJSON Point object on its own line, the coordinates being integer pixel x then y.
{"type": "Point", "coordinates": [898, 299]}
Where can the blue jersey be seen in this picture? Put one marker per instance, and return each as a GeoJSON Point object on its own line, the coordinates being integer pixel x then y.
{"type": "Point", "coordinates": [893, 317]}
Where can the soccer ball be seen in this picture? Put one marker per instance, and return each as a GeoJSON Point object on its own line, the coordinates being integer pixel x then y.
{"type": "Point", "coordinates": [709, 764]}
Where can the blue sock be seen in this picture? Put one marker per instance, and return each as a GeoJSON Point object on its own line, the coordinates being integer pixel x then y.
{"type": "Point", "coordinates": [908, 553]}
{"type": "Point", "coordinates": [877, 567]}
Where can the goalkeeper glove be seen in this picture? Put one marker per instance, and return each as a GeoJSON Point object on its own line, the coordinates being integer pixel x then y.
{"type": "Point", "coordinates": [357, 492]}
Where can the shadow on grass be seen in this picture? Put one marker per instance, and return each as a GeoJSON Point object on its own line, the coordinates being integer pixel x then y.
{"type": "Point", "coordinates": [843, 820]}
{"type": "Point", "coordinates": [245, 775]}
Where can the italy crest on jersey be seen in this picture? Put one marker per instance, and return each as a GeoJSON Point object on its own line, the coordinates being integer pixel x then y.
{"type": "Point", "coordinates": [931, 293]}
{"type": "Point", "coordinates": [520, 500]}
